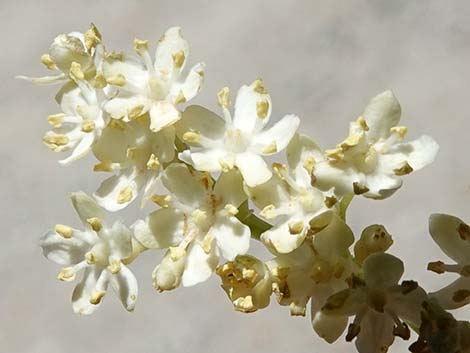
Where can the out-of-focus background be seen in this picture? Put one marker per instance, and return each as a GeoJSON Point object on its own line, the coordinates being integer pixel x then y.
{"type": "Point", "coordinates": [322, 60]}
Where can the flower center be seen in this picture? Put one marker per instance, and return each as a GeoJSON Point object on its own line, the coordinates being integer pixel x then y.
{"type": "Point", "coordinates": [235, 141]}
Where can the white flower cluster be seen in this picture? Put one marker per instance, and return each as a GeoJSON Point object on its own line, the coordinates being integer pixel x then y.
{"type": "Point", "coordinates": [125, 109]}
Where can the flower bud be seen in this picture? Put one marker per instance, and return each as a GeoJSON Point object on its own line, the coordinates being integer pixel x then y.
{"type": "Point", "coordinates": [247, 282]}
{"type": "Point", "coordinates": [167, 275]}
{"type": "Point", "coordinates": [374, 238]}
{"type": "Point", "coordinates": [66, 49]}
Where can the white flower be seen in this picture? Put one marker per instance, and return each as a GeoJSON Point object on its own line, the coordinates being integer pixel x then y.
{"type": "Point", "coordinates": [100, 251]}
{"type": "Point", "coordinates": [136, 155]}
{"type": "Point", "coordinates": [372, 159]}
{"type": "Point", "coordinates": [218, 144]}
{"type": "Point", "coordinates": [314, 271]}
{"type": "Point", "coordinates": [247, 282]}
{"type": "Point", "coordinates": [196, 222]}
{"type": "Point", "coordinates": [143, 86]}
{"type": "Point", "coordinates": [84, 49]}
{"type": "Point", "coordinates": [453, 237]}
{"type": "Point", "coordinates": [378, 303]}
{"type": "Point", "coordinates": [374, 238]}
{"type": "Point", "coordinates": [81, 121]}
{"type": "Point", "coordinates": [290, 200]}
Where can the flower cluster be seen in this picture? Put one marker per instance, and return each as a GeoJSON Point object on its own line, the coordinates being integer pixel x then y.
{"type": "Point", "coordinates": [216, 192]}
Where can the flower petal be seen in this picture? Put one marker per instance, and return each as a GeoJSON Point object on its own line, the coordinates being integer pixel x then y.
{"type": "Point", "coordinates": [86, 207]}
{"type": "Point", "coordinates": [253, 168]}
{"type": "Point", "coordinates": [382, 270]}
{"type": "Point", "coordinates": [199, 264]}
{"type": "Point", "coordinates": [186, 185]}
{"type": "Point", "coordinates": [118, 191]}
{"type": "Point", "coordinates": [229, 188]}
{"type": "Point", "coordinates": [66, 251]}
{"type": "Point", "coordinates": [124, 105]}
{"type": "Point", "coordinates": [381, 185]}
{"type": "Point", "coordinates": [81, 149]}
{"type": "Point", "coordinates": [191, 86]}
{"type": "Point", "coordinates": [161, 229]}
{"type": "Point", "coordinates": [163, 114]}
{"type": "Point", "coordinates": [248, 116]}
{"type": "Point", "coordinates": [273, 192]}
{"type": "Point", "coordinates": [330, 328]}
{"type": "Point", "coordinates": [124, 284]}
{"type": "Point", "coordinates": [280, 134]}
{"type": "Point", "coordinates": [201, 120]}
{"type": "Point", "coordinates": [382, 113]}
{"type": "Point", "coordinates": [300, 148]}
{"type": "Point", "coordinates": [171, 44]}
{"type": "Point", "coordinates": [446, 231]}
{"type": "Point", "coordinates": [207, 160]}
{"type": "Point", "coordinates": [119, 238]}
{"type": "Point", "coordinates": [279, 239]}
{"type": "Point", "coordinates": [376, 333]}
{"type": "Point", "coordinates": [448, 296]}
{"type": "Point", "coordinates": [232, 236]}
{"type": "Point", "coordinates": [83, 290]}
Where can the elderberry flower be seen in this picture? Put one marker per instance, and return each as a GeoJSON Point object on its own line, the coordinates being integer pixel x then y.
{"type": "Point", "coordinates": [378, 303]}
{"type": "Point", "coordinates": [136, 155]}
{"type": "Point", "coordinates": [84, 49]}
{"type": "Point", "coordinates": [372, 159]}
{"type": "Point", "coordinates": [314, 271]}
{"type": "Point", "coordinates": [220, 144]}
{"type": "Point", "coordinates": [100, 251]}
{"type": "Point", "coordinates": [81, 121]}
{"type": "Point", "coordinates": [157, 87]}
{"type": "Point", "coordinates": [247, 282]}
{"type": "Point", "coordinates": [197, 222]}
{"type": "Point", "coordinates": [453, 237]}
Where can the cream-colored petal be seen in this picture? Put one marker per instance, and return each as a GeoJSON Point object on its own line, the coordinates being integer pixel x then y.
{"type": "Point", "coordinates": [382, 270]}
{"type": "Point", "coordinates": [376, 333]}
{"type": "Point", "coordinates": [199, 264]}
{"type": "Point", "coordinates": [330, 328]}
{"type": "Point", "coordinates": [381, 114]}
{"type": "Point", "coordinates": [452, 235]}
{"type": "Point", "coordinates": [86, 207]}
{"type": "Point", "coordinates": [64, 251]}
{"type": "Point", "coordinates": [161, 229]}
{"type": "Point", "coordinates": [232, 236]}
{"type": "Point", "coordinates": [253, 168]}
{"type": "Point", "coordinates": [201, 120]}
{"type": "Point", "coordinates": [273, 192]}
{"type": "Point", "coordinates": [83, 291]}
{"type": "Point", "coordinates": [207, 160]}
{"type": "Point", "coordinates": [118, 191]}
{"type": "Point", "coordinates": [124, 284]}
{"type": "Point", "coordinates": [172, 51]}
{"type": "Point", "coordinates": [246, 116]}
{"type": "Point", "coordinates": [302, 150]}
{"type": "Point", "coordinates": [128, 106]}
{"type": "Point", "coordinates": [186, 185]}
{"type": "Point", "coordinates": [449, 298]}
{"type": "Point", "coordinates": [190, 86]}
{"type": "Point", "coordinates": [279, 135]}
{"type": "Point", "coordinates": [229, 188]}
{"type": "Point", "coordinates": [279, 239]}
{"type": "Point", "coordinates": [163, 114]}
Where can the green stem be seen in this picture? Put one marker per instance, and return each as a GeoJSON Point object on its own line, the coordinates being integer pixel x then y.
{"type": "Point", "coordinates": [257, 225]}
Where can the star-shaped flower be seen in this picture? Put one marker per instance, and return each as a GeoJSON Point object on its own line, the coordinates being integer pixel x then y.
{"type": "Point", "coordinates": [378, 303]}
{"type": "Point", "coordinates": [81, 121]}
{"type": "Point", "coordinates": [196, 221]}
{"type": "Point", "coordinates": [314, 271]}
{"type": "Point", "coordinates": [157, 87]}
{"type": "Point", "coordinates": [136, 155]}
{"type": "Point", "coordinates": [84, 49]}
{"type": "Point", "coordinates": [290, 200]}
{"type": "Point", "coordinates": [220, 144]}
{"type": "Point", "coordinates": [373, 158]}
{"type": "Point", "coordinates": [100, 251]}
{"type": "Point", "coordinates": [453, 237]}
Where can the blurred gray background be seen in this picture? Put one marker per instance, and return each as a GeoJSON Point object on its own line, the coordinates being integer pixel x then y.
{"type": "Point", "coordinates": [322, 60]}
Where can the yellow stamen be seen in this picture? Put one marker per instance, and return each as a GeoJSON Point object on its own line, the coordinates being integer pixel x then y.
{"type": "Point", "coordinates": [92, 37]}
{"type": "Point", "coordinates": [178, 59]}
{"type": "Point", "coordinates": [161, 200]}
{"type": "Point", "coordinates": [141, 46]}
{"type": "Point", "coordinates": [192, 137]}
{"type": "Point", "coordinates": [67, 274]}
{"type": "Point", "coordinates": [153, 163]}
{"type": "Point", "coordinates": [258, 87]}
{"type": "Point", "coordinates": [296, 227]}
{"type": "Point", "coordinates": [404, 169]}
{"type": "Point", "coordinates": [223, 97]}
{"type": "Point", "coordinates": [114, 266]}
{"type": "Point", "coordinates": [64, 231]}
{"type": "Point", "coordinates": [117, 80]}
{"type": "Point", "coordinates": [95, 223]}
{"type": "Point", "coordinates": [231, 209]}
{"type": "Point", "coordinates": [47, 61]}
{"type": "Point", "coordinates": [271, 148]}
{"type": "Point", "coordinates": [88, 126]}
{"type": "Point", "coordinates": [56, 120]}
{"type": "Point", "coordinates": [262, 108]}
{"type": "Point", "coordinates": [176, 253]}
{"type": "Point", "coordinates": [76, 72]}
{"type": "Point", "coordinates": [125, 195]}
{"type": "Point", "coordinates": [96, 297]}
